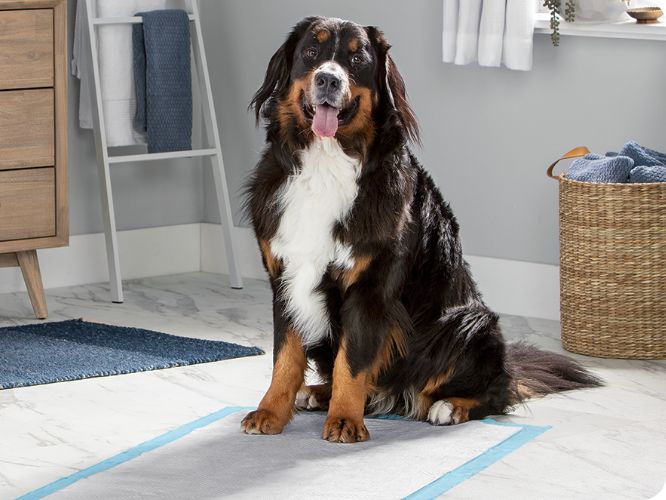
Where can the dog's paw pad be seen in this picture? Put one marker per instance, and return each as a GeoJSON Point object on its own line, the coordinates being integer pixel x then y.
{"type": "Point", "coordinates": [443, 413]}
{"type": "Point", "coordinates": [261, 422]}
{"type": "Point", "coordinates": [344, 430]}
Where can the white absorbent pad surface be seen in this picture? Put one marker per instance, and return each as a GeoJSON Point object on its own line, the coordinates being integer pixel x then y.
{"type": "Point", "coordinates": [211, 458]}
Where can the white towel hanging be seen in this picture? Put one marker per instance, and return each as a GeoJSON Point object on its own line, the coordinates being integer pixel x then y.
{"type": "Point", "coordinates": [490, 32]}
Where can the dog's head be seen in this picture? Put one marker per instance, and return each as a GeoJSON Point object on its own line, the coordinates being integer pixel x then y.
{"type": "Point", "coordinates": [334, 78]}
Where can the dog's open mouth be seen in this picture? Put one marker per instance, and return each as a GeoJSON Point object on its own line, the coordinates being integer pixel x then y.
{"type": "Point", "coordinates": [326, 119]}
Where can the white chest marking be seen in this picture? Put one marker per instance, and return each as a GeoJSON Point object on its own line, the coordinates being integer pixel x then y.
{"type": "Point", "coordinates": [313, 200]}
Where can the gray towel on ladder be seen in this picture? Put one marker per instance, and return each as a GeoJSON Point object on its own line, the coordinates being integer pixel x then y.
{"type": "Point", "coordinates": [163, 79]}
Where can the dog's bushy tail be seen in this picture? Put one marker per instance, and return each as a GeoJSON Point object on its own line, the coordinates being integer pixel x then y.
{"type": "Point", "coordinates": [536, 373]}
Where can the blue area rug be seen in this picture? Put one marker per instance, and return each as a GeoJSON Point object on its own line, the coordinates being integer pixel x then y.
{"type": "Point", "coordinates": [72, 350]}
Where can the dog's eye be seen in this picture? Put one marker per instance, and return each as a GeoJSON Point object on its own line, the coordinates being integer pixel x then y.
{"type": "Point", "coordinates": [356, 59]}
{"type": "Point", "coordinates": [310, 53]}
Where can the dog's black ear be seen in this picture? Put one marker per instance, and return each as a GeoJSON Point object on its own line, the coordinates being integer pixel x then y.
{"type": "Point", "coordinates": [391, 85]}
{"type": "Point", "coordinates": [279, 68]}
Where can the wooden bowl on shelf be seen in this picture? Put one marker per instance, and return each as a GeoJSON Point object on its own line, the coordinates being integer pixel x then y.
{"type": "Point", "coordinates": [646, 15]}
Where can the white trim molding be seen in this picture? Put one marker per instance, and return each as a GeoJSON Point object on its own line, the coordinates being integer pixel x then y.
{"type": "Point", "coordinates": [143, 252]}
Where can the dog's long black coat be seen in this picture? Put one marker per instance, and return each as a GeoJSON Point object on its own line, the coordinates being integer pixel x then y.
{"type": "Point", "coordinates": [413, 316]}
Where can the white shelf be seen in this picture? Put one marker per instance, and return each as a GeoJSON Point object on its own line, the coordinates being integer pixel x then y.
{"type": "Point", "coordinates": [625, 29]}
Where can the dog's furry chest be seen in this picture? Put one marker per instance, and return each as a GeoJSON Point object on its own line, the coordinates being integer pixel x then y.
{"type": "Point", "coordinates": [312, 201]}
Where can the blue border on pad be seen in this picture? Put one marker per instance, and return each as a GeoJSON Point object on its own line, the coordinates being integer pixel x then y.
{"type": "Point", "coordinates": [133, 452]}
{"type": "Point", "coordinates": [453, 478]}
{"type": "Point", "coordinates": [432, 490]}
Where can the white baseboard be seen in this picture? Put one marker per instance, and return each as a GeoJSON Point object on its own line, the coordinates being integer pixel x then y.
{"type": "Point", "coordinates": [508, 286]}
{"type": "Point", "coordinates": [143, 252]}
{"type": "Point", "coordinates": [517, 287]}
{"type": "Point", "coordinates": [214, 257]}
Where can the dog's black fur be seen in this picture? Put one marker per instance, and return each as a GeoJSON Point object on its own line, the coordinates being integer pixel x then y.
{"type": "Point", "coordinates": [413, 322]}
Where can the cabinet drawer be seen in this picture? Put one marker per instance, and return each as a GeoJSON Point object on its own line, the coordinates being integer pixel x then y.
{"type": "Point", "coordinates": [26, 128]}
{"type": "Point", "coordinates": [26, 48]}
{"type": "Point", "coordinates": [27, 203]}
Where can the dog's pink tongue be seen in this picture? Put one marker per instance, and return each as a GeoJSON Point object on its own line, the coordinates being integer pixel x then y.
{"type": "Point", "coordinates": [325, 121]}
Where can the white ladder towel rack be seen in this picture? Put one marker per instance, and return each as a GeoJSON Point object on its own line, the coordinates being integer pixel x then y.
{"type": "Point", "coordinates": [104, 160]}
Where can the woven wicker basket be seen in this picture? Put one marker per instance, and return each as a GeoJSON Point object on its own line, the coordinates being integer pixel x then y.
{"type": "Point", "coordinates": [612, 267]}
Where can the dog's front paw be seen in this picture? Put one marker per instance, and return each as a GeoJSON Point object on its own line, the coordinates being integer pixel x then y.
{"type": "Point", "coordinates": [262, 422]}
{"type": "Point", "coordinates": [345, 430]}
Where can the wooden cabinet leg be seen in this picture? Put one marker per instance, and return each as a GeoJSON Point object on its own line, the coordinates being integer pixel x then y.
{"type": "Point", "coordinates": [33, 281]}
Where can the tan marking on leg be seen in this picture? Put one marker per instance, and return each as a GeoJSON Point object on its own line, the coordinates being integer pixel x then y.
{"type": "Point", "coordinates": [436, 382]}
{"type": "Point", "coordinates": [423, 404]}
{"type": "Point", "coordinates": [350, 276]}
{"type": "Point", "coordinates": [344, 423]}
{"type": "Point", "coordinates": [394, 347]}
{"type": "Point", "coordinates": [277, 406]}
{"type": "Point", "coordinates": [273, 265]}
{"type": "Point", "coordinates": [461, 408]}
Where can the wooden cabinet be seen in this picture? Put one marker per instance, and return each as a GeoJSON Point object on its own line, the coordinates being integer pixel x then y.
{"type": "Point", "coordinates": [34, 210]}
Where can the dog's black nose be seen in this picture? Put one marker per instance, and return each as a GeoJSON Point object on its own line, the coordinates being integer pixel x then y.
{"type": "Point", "coordinates": [327, 81]}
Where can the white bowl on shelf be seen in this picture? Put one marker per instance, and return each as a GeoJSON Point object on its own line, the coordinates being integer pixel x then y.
{"type": "Point", "coordinates": [601, 11]}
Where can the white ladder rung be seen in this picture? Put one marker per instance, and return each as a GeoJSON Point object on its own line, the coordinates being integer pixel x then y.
{"type": "Point", "coordinates": [190, 153]}
{"type": "Point", "coordinates": [123, 20]}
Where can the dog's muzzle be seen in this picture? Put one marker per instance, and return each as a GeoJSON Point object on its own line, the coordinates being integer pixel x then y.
{"type": "Point", "coordinates": [328, 92]}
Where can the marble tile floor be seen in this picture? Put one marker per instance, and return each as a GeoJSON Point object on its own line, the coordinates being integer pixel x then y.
{"type": "Point", "coordinates": [606, 443]}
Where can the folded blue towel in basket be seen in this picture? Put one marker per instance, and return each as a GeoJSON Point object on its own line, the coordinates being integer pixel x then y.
{"type": "Point", "coordinates": [597, 168]}
{"type": "Point", "coordinates": [163, 79]}
{"type": "Point", "coordinates": [643, 173]}
{"type": "Point", "coordinates": [642, 155]}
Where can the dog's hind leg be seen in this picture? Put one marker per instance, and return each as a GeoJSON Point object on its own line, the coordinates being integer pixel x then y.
{"type": "Point", "coordinates": [313, 397]}
{"type": "Point", "coordinates": [458, 367]}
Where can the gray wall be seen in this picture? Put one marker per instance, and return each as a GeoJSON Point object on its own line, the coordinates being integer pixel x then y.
{"type": "Point", "coordinates": [488, 134]}
{"type": "Point", "coordinates": [146, 195]}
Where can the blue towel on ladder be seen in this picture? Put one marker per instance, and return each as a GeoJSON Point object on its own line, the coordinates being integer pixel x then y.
{"type": "Point", "coordinates": [163, 79]}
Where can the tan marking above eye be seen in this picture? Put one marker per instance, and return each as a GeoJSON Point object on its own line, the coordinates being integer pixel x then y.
{"type": "Point", "coordinates": [353, 44]}
{"type": "Point", "coordinates": [322, 36]}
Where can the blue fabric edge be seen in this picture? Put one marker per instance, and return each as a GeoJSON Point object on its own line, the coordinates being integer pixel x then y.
{"type": "Point", "coordinates": [431, 490]}
{"type": "Point", "coordinates": [132, 453]}
{"type": "Point", "coordinates": [472, 467]}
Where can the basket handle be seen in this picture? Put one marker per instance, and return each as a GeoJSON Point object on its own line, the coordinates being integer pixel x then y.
{"type": "Point", "coordinates": [574, 153]}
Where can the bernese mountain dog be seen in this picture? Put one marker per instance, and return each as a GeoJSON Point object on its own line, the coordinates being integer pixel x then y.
{"type": "Point", "coordinates": [364, 257]}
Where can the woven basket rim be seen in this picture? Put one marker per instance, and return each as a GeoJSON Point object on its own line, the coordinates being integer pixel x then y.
{"type": "Point", "coordinates": [563, 177]}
